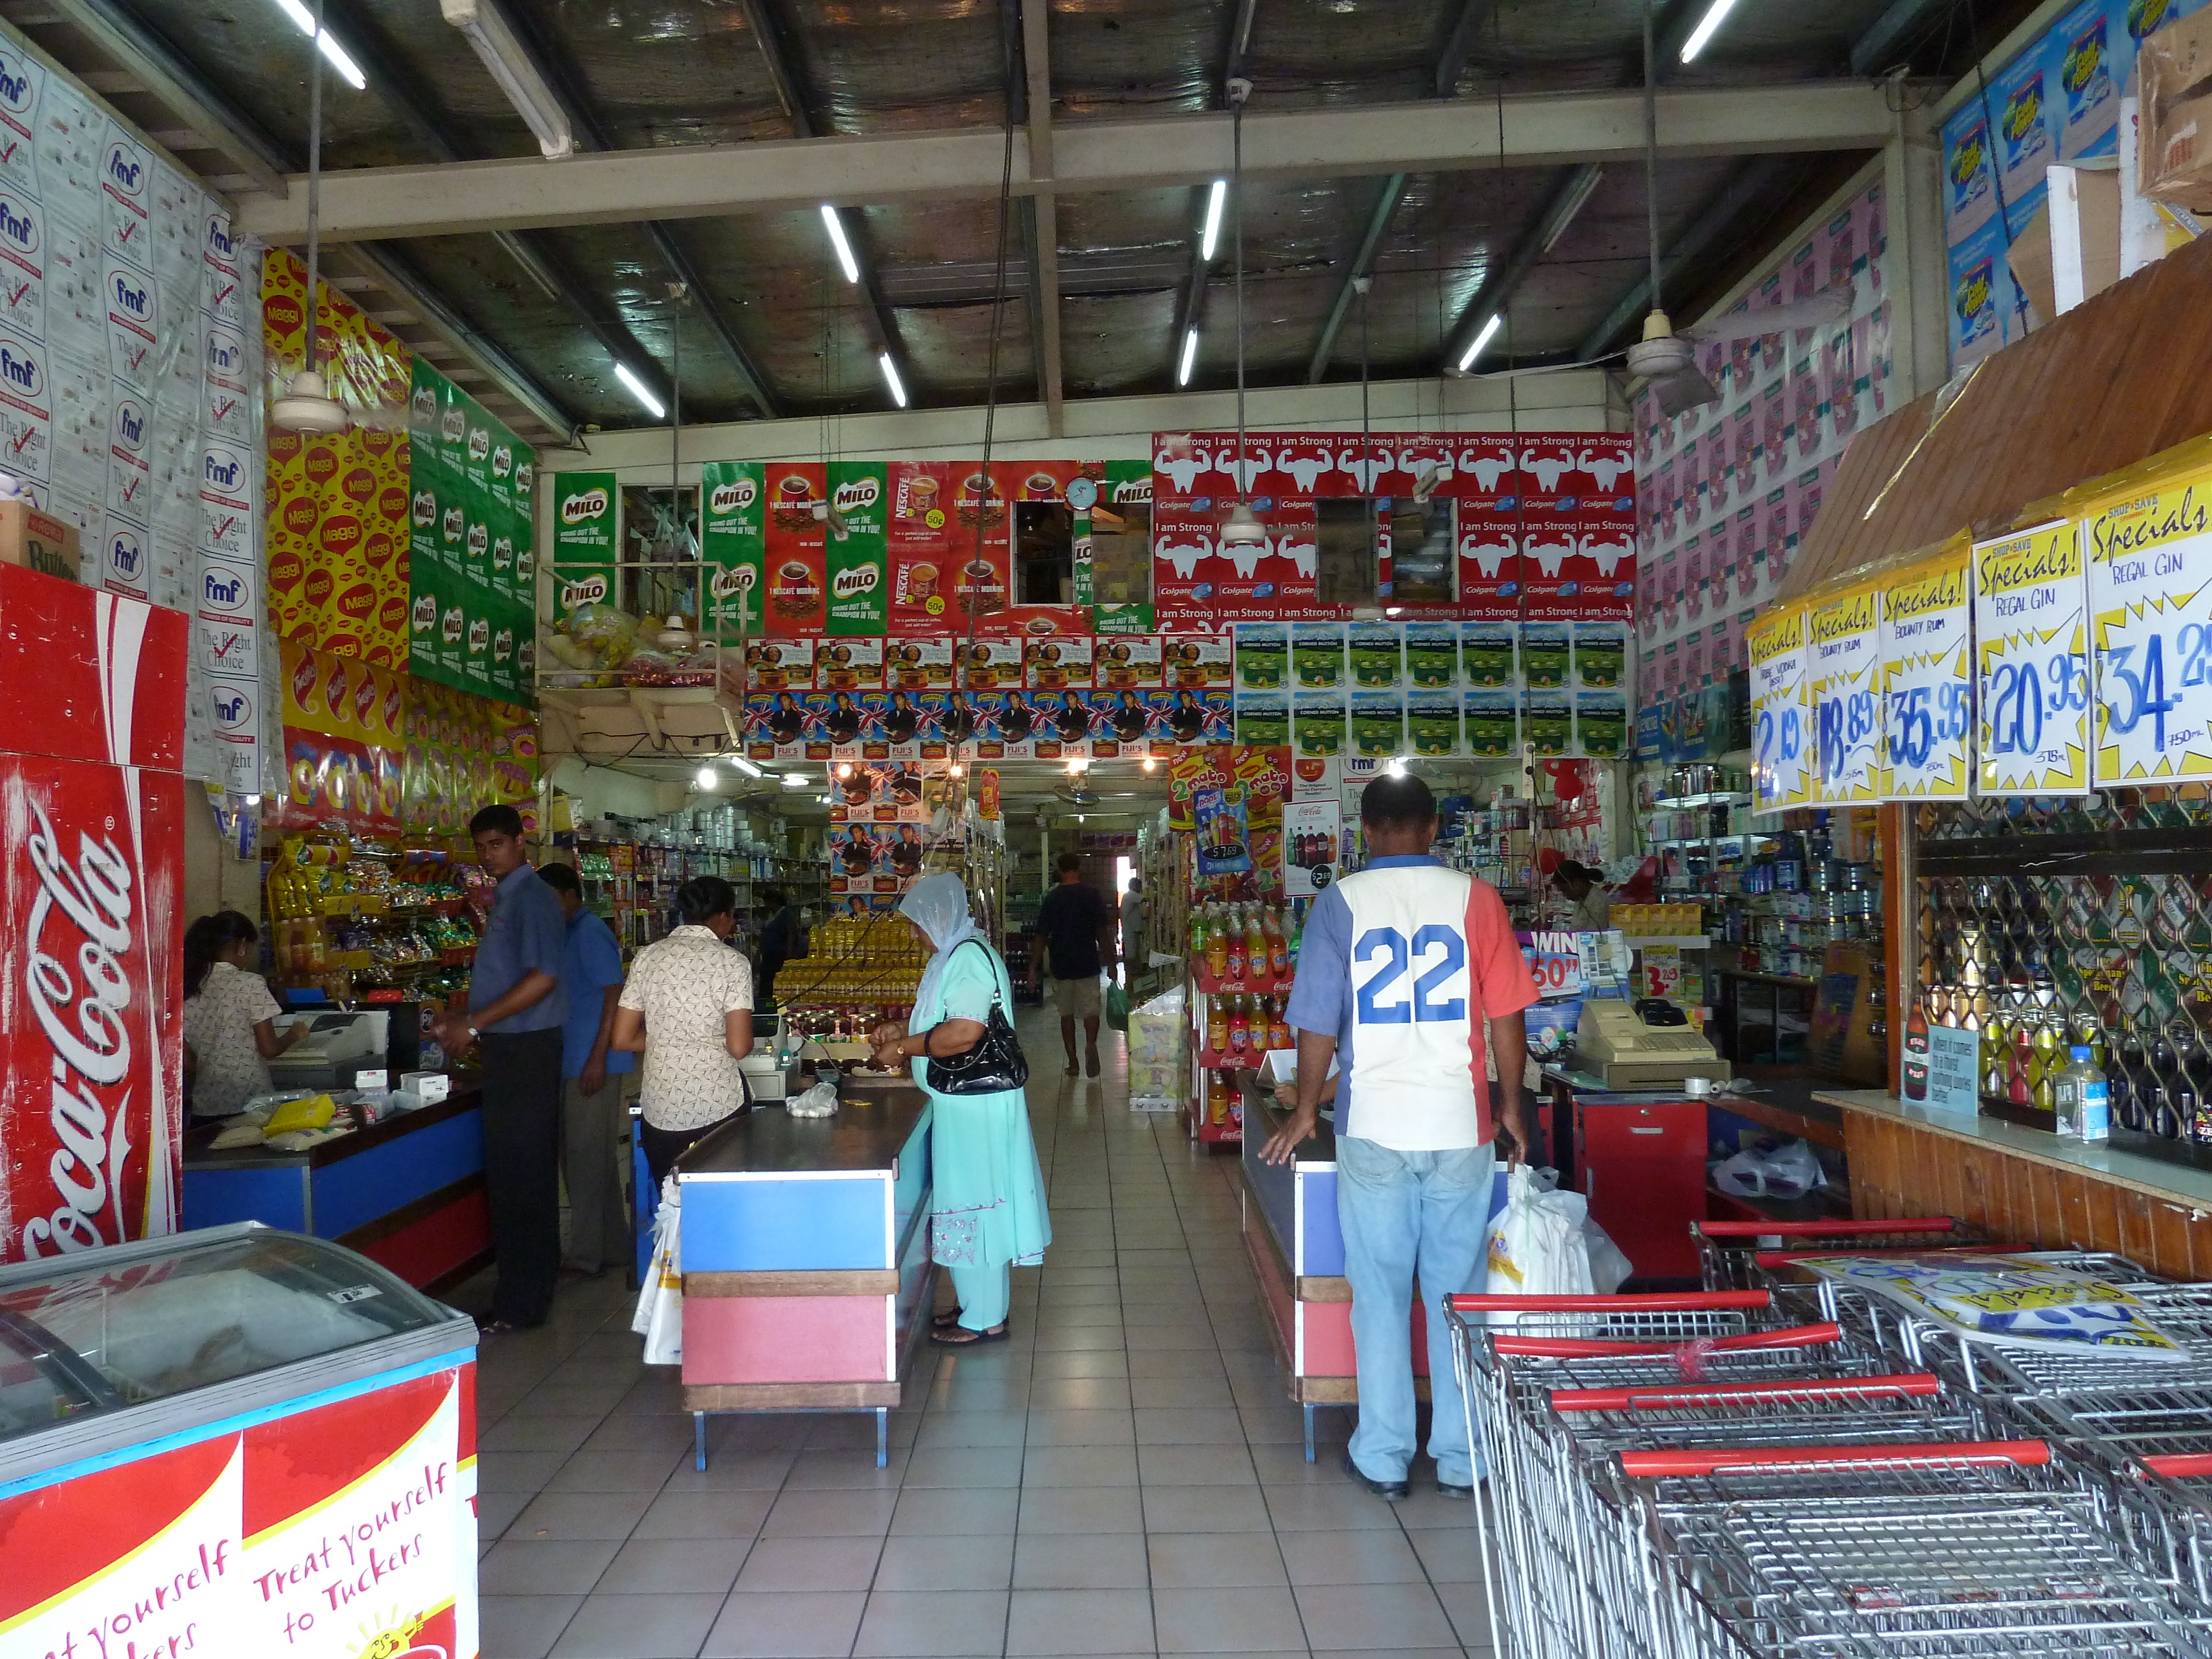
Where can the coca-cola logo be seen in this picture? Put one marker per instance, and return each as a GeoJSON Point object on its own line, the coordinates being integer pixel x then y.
{"type": "Point", "coordinates": [851, 584]}
{"type": "Point", "coordinates": [84, 1026]}
{"type": "Point", "coordinates": [860, 492]}
{"type": "Point", "coordinates": [732, 497]}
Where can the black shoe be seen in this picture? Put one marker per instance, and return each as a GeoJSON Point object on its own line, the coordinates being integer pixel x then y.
{"type": "Point", "coordinates": [1390, 1490]}
{"type": "Point", "coordinates": [1458, 1494]}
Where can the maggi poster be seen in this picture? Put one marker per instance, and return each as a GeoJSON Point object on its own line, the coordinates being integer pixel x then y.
{"type": "Point", "coordinates": [336, 518]}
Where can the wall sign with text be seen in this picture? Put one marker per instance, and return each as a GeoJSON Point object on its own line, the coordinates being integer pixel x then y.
{"type": "Point", "coordinates": [2031, 620]}
{"type": "Point", "coordinates": [1927, 683]}
{"type": "Point", "coordinates": [1783, 764]}
{"type": "Point", "coordinates": [1843, 659]}
{"type": "Point", "coordinates": [2150, 559]}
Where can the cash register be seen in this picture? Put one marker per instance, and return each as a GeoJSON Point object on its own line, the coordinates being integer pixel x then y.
{"type": "Point", "coordinates": [1614, 1041]}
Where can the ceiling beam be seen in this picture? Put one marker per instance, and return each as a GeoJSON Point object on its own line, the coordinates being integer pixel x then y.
{"type": "Point", "coordinates": [1754, 179]}
{"type": "Point", "coordinates": [1886, 40]}
{"type": "Point", "coordinates": [1378, 221]}
{"type": "Point", "coordinates": [1035, 78]}
{"type": "Point", "coordinates": [775, 176]}
{"type": "Point", "coordinates": [1501, 283]}
{"type": "Point", "coordinates": [1459, 45]}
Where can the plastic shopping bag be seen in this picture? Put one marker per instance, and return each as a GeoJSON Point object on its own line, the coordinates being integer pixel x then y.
{"type": "Point", "coordinates": [1117, 1007]}
{"type": "Point", "coordinates": [1789, 1171]}
{"type": "Point", "coordinates": [660, 1315]}
{"type": "Point", "coordinates": [1537, 1244]}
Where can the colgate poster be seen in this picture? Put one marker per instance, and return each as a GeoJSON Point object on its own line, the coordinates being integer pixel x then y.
{"type": "Point", "coordinates": [92, 832]}
{"type": "Point", "coordinates": [345, 1530]}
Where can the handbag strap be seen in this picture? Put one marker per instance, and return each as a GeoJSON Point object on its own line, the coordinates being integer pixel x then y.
{"type": "Point", "coordinates": [996, 1008]}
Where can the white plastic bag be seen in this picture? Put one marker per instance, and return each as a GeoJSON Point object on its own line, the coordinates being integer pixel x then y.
{"type": "Point", "coordinates": [1789, 1171]}
{"type": "Point", "coordinates": [820, 1101]}
{"type": "Point", "coordinates": [660, 1315]}
{"type": "Point", "coordinates": [1537, 1244]}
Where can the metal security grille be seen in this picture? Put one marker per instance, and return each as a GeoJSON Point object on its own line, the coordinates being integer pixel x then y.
{"type": "Point", "coordinates": [2044, 923]}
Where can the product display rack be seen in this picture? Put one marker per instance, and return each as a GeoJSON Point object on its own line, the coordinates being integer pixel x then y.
{"type": "Point", "coordinates": [380, 921]}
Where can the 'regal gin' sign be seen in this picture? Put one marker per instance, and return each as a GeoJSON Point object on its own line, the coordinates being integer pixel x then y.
{"type": "Point", "coordinates": [91, 833]}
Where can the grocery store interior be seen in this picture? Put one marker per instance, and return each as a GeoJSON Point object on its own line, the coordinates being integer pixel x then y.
{"type": "Point", "coordinates": [563, 566]}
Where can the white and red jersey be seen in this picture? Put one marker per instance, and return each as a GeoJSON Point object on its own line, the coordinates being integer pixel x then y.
{"type": "Point", "coordinates": [1405, 963]}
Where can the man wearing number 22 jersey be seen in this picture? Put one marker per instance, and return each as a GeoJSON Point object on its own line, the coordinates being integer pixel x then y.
{"type": "Point", "coordinates": [1406, 968]}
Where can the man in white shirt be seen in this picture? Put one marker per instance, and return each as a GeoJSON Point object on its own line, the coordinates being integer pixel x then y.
{"type": "Point", "coordinates": [1413, 964]}
{"type": "Point", "coordinates": [1133, 926]}
{"type": "Point", "coordinates": [1589, 907]}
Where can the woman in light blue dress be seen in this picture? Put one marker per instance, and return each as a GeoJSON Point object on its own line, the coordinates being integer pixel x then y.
{"type": "Point", "coordinates": [987, 1211]}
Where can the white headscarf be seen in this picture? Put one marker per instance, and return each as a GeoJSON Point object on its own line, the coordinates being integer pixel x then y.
{"type": "Point", "coordinates": [938, 905]}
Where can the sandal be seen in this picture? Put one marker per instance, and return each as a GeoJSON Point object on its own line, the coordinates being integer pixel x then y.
{"type": "Point", "coordinates": [950, 1316]}
{"type": "Point", "coordinates": [959, 1336]}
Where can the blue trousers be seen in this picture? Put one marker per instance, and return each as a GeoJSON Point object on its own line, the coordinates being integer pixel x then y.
{"type": "Point", "coordinates": [984, 1294]}
{"type": "Point", "coordinates": [1406, 1215]}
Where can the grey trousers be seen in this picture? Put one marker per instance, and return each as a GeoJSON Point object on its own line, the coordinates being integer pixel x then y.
{"type": "Point", "coordinates": [591, 1143]}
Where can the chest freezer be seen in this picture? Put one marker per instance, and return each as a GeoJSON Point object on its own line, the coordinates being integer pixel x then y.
{"type": "Point", "coordinates": [241, 1431]}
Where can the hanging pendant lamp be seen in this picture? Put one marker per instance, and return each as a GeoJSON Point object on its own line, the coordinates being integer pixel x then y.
{"type": "Point", "coordinates": [1242, 528]}
{"type": "Point", "coordinates": [306, 405]}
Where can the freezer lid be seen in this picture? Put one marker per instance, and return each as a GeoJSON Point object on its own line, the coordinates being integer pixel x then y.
{"type": "Point", "coordinates": [167, 1332]}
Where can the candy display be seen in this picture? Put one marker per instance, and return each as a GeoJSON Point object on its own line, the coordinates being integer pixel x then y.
{"type": "Point", "coordinates": [355, 918]}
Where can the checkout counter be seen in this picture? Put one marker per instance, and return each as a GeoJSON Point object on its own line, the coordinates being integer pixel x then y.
{"type": "Point", "coordinates": [407, 1191]}
{"type": "Point", "coordinates": [807, 1277]}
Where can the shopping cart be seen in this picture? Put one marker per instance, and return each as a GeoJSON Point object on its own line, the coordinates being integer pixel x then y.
{"type": "Point", "coordinates": [1937, 1550]}
{"type": "Point", "coordinates": [1737, 1256]}
{"type": "Point", "coordinates": [1566, 1584]}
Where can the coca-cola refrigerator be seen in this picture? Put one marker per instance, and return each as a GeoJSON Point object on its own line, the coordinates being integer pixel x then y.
{"type": "Point", "coordinates": [91, 725]}
{"type": "Point", "coordinates": [235, 1441]}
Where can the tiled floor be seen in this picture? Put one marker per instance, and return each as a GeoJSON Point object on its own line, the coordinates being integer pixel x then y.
{"type": "Point", "coordinates": [1123, 1477]}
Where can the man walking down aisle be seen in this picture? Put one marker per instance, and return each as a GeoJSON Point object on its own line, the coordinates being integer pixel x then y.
{"type": "Point", "coordinates": [590, 1082]}
{"type": "Point", "coordinates": [1404, 966]}
{"type": "Point", "coordinates": [1076, 927]}
{"type": "Point", "coordinates": [514, 1012]}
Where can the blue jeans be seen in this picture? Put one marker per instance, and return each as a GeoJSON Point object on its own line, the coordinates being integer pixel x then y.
{"type": "Point", "coordinates": [1405, 1214]}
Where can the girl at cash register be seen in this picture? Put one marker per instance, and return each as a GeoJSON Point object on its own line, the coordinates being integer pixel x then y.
{"type": "Point", "coordinates": [230, 1031]}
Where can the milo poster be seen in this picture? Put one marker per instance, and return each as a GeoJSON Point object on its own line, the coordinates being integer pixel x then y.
{"type": "Point", "coordinates": [731, 544]}
{"type": "Point", "coordinates": [859, 593]}
{"type": "Point", "coordinates": [587, 522]}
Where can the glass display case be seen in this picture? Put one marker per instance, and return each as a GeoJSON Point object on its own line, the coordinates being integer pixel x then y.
{"type": "Point", "coordinates": [237, 1395]}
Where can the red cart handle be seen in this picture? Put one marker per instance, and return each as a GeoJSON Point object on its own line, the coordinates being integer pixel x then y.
{"type": "Point", "coordinates": [1656, 1465]}
{"type": "Point", "coordinates": [1578, 1347]}
{"type": "Point", "coordinates": [1791, 1258]}
{"type": "Point", "coordinates": [1662, 1302]}
{"type": "Point", "coordinates": [1837, 1229]}
{"type": "Point", "coordinates": [2179, 1466]}
{"type": "Point", "coordinates": [1909, 1384]}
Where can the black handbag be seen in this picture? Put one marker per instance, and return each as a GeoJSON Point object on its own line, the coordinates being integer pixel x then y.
{"type": "Point", "coordinates": [995, 1064]}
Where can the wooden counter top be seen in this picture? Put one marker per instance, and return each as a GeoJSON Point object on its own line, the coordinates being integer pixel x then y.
{"type": "Point", "coordinates": [865, 1132]}
{"type": "Point", "coordinates": [2174, 1183]}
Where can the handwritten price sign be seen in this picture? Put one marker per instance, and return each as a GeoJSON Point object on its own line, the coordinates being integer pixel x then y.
{"type": "Point", "coordinates": [2150, 558]}
{"type": "Point", "coordinates": [1844, 645]}
{"type": "Point", "coordinates": [1927, 680]}
{"type": "Point", "coordinates": [2030, 618]}
{"type": "Point", "coordinates": [1783, 765]}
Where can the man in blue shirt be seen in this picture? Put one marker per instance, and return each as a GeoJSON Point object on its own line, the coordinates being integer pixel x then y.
{"type": "Point", "coordinates": [1418, 964]}
{"type": "Point", "coordinates": [591, 1081]}
{"type": "Point", "coordinates": [513, 1013]}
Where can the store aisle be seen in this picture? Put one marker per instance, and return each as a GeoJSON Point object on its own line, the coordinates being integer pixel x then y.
{"type": "Point", "coordinates": [1122, 1477]}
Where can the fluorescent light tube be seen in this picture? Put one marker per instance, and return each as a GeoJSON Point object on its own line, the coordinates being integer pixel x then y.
{"type": "Point", "coordinates": [1707, 26]}
{"type": "Point", "coordinates": [639, 390]}
{"type": "Point", "coordinates": [1489, 330]}
{"type": "Point", "coordinates": [891, 378]}
{"type": "Point", "coordinates": [1189, 356]}
{"type": "Point", "coordinates": [744, 766]}
{"type": "Point", "coordinates": [796, 780]}
{"type": "Point", "coordinates": [1212, 236]}
{"type": "Point", "coordinates": [844, 248]}
{"type": "Point", "coordinates": [511, 64]}
{"type": "Point", "coordinates": [304, 21]}
{"type": "Point", "coordinates": [1586, 182]}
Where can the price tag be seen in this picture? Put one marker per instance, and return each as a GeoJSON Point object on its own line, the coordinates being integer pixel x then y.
{"type": "Point", "coordinates": [1926, 680]}
{"type": "Point", "coordinates": [1843, 646]}
{"type": "Point", "coordinates": [2031, 623]}
{"type": "Point", "coordinates": [2150, 558]}
{"type": "Point", "coordinates": [1782, 760]}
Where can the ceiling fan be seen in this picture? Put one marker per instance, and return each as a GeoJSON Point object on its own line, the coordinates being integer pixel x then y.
{"type": "Point", "coordinates": [1664, 361]}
